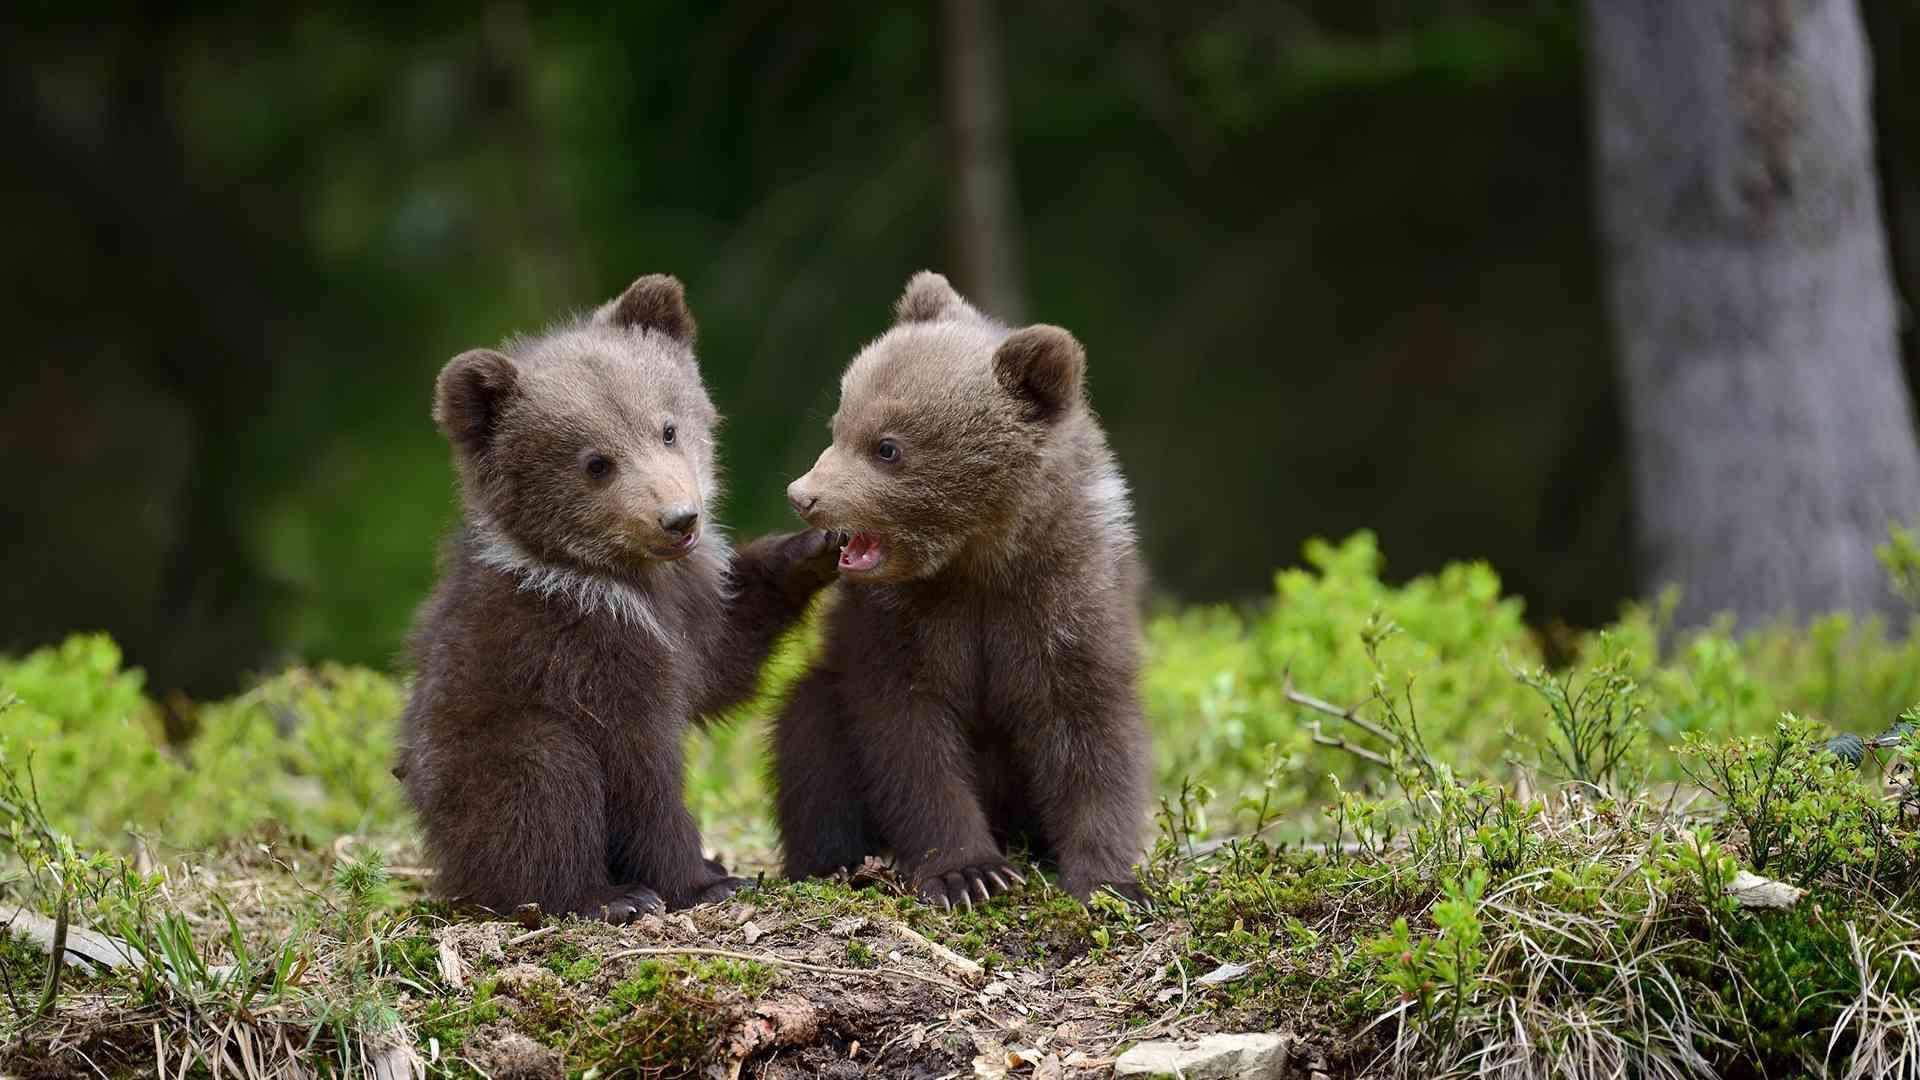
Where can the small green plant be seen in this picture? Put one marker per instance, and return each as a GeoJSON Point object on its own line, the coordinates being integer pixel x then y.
{"type": "Point", "coordinates": [1798, 808]}
{"type": "Point", "coordinates": [1443, 967]}
{"type": "Point", "coordinates": [1596, 728]}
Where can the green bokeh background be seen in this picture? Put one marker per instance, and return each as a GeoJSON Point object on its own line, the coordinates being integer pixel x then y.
{"type": "Point", "coordinates": [1334, 263]}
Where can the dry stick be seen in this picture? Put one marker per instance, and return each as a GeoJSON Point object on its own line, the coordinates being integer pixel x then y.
{"type": "Point", "coordinates": [1338, 743]}
{"type": "Point", "coordinates": [945, 955]}
{"type": "Point", "coordinates": [522, 939]}
{"type": "Point", "coordinates": [773, 958]}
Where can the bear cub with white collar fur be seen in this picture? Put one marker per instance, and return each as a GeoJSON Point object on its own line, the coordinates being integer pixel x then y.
{"type": "Point", "coordinates": [977, 688]}
{"type": "Point", "coordinates": [587, 612]}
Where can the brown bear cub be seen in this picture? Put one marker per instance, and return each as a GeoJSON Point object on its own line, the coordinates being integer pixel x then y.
{"type": "Point", "coordinates": [977, 687]}
{"type": "Point", "coordinates": [587, 611]}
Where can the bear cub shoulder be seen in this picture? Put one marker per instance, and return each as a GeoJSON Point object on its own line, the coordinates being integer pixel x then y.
{"type": "Point", "coordinates": [977, 688]}
{"type": "Point", "coordinates": [587, 611]}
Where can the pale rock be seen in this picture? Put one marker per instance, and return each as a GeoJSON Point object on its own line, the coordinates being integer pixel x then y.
{"type": "Point", "coordinates": [1753, 891]}
{"type": "Point", "coordinates": [1210, 1057]}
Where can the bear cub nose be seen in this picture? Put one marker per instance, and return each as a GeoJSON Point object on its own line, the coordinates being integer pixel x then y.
{"type": "Point", "coordinates": [679, 519]}
{"type": "Point", "coordinates": [800, 499]}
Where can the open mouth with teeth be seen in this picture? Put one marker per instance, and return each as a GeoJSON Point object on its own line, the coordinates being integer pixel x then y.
{"type": "Point", "coordinates": [862, 552]}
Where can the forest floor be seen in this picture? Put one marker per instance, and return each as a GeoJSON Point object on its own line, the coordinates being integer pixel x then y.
{"type": "Point", "coordinates": [830, 978]}
{"type": "Point", "coordinates": [1384, 829]}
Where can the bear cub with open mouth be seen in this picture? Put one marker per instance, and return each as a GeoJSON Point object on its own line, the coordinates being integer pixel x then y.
{"type": "Point", "coordinates": [977, 687]}
{"type": "Point", "coordinates": [586, 613]}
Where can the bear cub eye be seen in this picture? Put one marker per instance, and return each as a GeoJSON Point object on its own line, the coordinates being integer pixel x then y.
{"type": "Point", "coordinates": [667, 435]}
{"type": "Point", "coordinates": [887, 450]}
{"type": "Point", "coordinates": [598, 466]}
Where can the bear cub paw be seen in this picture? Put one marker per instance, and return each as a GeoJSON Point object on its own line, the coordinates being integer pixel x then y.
{"type": "Point", "coordinates": [720, 890]}
{"type": "Point", "coordinates": [627, 903]}
{"type": "Point", "coordinates": [964, 886]}
{"type": "Point", "coordinates": [812, 561]}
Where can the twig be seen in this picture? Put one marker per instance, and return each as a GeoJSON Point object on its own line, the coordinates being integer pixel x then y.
{"type": "Point", "coordinates": [773, 958]}
{"type": "Point", "coordinates": [522, 939]}
{"type": "Point", "coordinates": [56, 960]}
{"type": "Point", "coordinates": [954, 960]}
{"type": "Point", "coordinates": [1351, 715]}
{"type": "Point", "coordinates": [1361, 752]}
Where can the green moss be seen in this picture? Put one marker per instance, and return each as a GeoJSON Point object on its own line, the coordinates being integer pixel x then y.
{"type": "Point", "coordinates": [450, 1020]}
{"type": "Point", "coordinates": [572, 963]}
{"type": "Point", "coordinates": [860, 954]}
{"type": "Point", "coordinates": [663, 1018]}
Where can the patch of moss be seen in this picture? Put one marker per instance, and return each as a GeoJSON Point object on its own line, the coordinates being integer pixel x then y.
{"type": "Point", "coordinates": [662, 1018]}
{"type": "Point", "coordinates": [859, 954]}
{"type": "Point", "coordinates": [1800, 970]}
{"type": "Point", "coordinates": [572, 963]}
{"type": "Point", "coordinates": [450, 1019]}
{"type": "Point", "coordinates": [1032, 925]}
{"type": "Point", "coordinates": [415, 957]}
{"type": "Point", "coordinates": [24, 968]}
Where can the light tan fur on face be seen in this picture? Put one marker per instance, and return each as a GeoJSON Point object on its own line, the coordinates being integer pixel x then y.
{"type": "Point", "coordinates": [989, 424]}
{"type": "Point", "coordinates": [530, 419]}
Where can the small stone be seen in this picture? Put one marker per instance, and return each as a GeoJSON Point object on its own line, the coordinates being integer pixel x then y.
{"type": "Point", "coordinates": [1225, 973]}
{"type": "Point", "coordinates": [1212, 1057]}
{"type": "Point", "coordinates": [751, 931]}
{"type": "Point", "coordinates": [848, 926]}
{"type": "Point", "coordinates": [1753, 891]}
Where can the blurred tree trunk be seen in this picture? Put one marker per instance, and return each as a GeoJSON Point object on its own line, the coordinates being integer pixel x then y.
{"type": "Point", "coordinates": [1769, 423]}
{"type": "Point", "coordinates": [985, 231]}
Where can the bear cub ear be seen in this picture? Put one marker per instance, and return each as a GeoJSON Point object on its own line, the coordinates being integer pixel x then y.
{"type": "Point", "coordinates": [929, 298]}
{"type": "Point", "coordinates": [1042, 367]}
{"type": "Point", "coordinates": [468, 398]}
{"type": "Point", "coordinates": [656, 302]}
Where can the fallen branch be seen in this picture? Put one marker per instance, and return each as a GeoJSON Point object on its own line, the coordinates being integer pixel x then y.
{"type": "Point", "coordinates": [774, 958]}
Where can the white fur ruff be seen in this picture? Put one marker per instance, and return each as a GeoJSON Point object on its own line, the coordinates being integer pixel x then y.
{"type": "Point", "coordinates": [589, 593]}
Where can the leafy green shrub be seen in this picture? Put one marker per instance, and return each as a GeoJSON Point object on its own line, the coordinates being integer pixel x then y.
{"type": "Point", "coordinates": [307, 752]}
{"type": "Point", "coordinates": [97, 754]}
{"type": "Point", "coordinates": [1798, 809]}
{"type": "Point", "coordinates": [310, 750]}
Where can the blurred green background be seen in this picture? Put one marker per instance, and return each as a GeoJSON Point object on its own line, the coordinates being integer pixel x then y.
{"type": "Point", "coordinates": [1334, 262]}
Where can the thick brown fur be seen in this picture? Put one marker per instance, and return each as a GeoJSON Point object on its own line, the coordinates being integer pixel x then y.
{"type": "Point", "coordinates": [586, 612]}
{"type": "Point", "coordinates": [977, 687]}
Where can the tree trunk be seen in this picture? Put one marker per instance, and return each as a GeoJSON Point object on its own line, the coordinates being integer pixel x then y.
{"type": "Point", "coordinates": [983, 220]}
{"type": "Point", "coordinates": [1769, 423]}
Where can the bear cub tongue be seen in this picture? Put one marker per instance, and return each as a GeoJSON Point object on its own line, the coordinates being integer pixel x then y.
{"type": "Point", "coordinates": [861, 553]}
